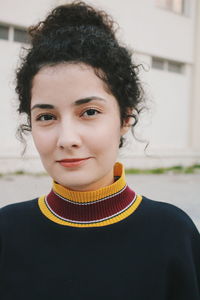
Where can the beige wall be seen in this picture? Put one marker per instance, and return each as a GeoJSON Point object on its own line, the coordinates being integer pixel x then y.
{"type": "Point", "coordinates": [171, 125]}
{"type": "Point", "coordinates": [195, 108]}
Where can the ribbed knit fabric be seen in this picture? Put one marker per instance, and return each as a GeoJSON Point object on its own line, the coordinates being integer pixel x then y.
{"type": "Point", "coordinates": [101, 207]}
{"type": "Point", "coordinates": [151, 254]}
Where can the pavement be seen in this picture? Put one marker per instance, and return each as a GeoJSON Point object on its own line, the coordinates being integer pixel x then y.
{"type": "Point", "coordinates": [182, 190]}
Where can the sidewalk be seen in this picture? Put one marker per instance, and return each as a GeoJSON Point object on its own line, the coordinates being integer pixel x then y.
{"type": "Point", "coordinates": [181, 190]}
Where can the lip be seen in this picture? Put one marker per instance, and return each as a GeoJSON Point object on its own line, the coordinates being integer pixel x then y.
{"type": "Point", "coordinates": [73, 162]}
{"type": "Point", "coordinates": [72, 159]}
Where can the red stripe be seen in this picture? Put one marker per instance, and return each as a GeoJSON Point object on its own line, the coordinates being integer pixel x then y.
{"type": "Point", "coordinates": [90, 212]}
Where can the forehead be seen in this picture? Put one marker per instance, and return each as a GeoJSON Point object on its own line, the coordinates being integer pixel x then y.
{"type": "Point", "coordinates": [70, 81]}
{"type": "Point", "coordinates": [70, 74]}
{"type": "Point", "coordinates": [65, 67]}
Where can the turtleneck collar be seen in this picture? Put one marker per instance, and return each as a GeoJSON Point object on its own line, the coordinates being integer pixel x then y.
{"type": "Point", "coordinates": [101, 207]}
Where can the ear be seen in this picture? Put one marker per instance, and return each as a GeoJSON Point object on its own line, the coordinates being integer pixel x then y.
{"type": "Point", "coordinates": [128, 121]}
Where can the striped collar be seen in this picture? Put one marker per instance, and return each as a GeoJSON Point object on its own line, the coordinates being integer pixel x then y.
{"type": "Point", "coordinates": [101, 207]}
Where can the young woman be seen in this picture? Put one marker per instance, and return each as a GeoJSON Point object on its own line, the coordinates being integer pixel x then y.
{"type": "Point", "coordinates": [92, 237]}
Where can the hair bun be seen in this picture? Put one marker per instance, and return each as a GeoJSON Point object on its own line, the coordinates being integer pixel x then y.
{"type": "Point", "coordinates": [76, 14]}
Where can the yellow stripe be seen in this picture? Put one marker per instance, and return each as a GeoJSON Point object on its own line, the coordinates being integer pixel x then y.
{"type": "Point", "coordinates": [91, 196]}
{"type": "Point", "coordinates": [52, 217]}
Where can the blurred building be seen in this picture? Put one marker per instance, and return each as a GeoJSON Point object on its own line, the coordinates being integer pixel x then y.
{"type": "Point", "coordinates": [165, 38]}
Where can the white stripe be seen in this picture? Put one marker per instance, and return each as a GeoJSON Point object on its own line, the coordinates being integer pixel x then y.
{"type": "Point", "coordinates": [95, 221]}
{"type": "Point", "coordinates": [92, 202]}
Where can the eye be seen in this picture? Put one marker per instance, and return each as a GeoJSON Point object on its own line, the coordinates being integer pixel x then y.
{"type": "Point", "coordinates": [91, 112]}
{"type": "Point", "coordinates": [45, 117]}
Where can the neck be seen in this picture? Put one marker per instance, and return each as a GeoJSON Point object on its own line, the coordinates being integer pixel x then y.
{"type": "Point", "coordinates": [105, 181]}
{"type": "Point", "coordinates": [104, 206]}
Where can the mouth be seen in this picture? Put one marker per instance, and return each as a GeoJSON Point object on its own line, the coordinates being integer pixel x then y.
{"type": "Point", "coordinates": [72, 159]}
{"type": "Point", "coordinates": [73, 162]}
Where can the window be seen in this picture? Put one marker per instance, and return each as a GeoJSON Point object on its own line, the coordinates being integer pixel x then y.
{"type": "Point", "coordinates": [158, 63]}
{"type": "Point", "coordinates": [176, 67]}
{"type": "Point", "coordinates": [4, 32]}
{"type": "Point", "coordinates": [167, 65]}
{"type": "Point", "coordinates": [20, 35]}
{"type": "Point", "coordinates": [177, 6]}
{"type": "Point", "coordinates": [11, 33]}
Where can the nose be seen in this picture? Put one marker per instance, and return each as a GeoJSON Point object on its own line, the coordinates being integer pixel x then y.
{"type": "Point", "coordinates": [68, 135]}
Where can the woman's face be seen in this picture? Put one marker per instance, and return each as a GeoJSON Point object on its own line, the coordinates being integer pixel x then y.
{"type": "Point", "coordinates": [73, 117]}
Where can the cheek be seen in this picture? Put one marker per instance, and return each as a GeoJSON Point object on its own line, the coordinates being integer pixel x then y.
{"type": "Point", "coordinates": [106, 136]}
{"type": "Point", "coordinates": [43, 141]}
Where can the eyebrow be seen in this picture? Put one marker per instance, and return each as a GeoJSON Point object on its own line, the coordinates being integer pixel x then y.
{"type": "Point", "coordinates": [77, 102]}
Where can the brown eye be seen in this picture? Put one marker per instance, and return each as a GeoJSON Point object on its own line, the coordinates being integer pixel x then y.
{"type": "Point", "coordinates": [91, 112]}
{"type": "Point", "coordinates": [45, 117]}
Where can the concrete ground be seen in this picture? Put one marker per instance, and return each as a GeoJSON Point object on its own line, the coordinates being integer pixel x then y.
{"type": "Point", "coordinates": [181, 190]}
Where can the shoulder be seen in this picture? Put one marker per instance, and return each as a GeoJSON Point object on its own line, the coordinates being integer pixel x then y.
{"type": "Point", "coordinates": [13, 207]}
{"type": "Point", "coordinates": [156, 208]}
{"type": "Point", "coordinates": [166, 216]}
{"type": "Point", "coordinates": [17, 211]}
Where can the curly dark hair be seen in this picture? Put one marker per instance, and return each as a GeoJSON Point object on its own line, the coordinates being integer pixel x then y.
{"type": "Point", "coordinates": [79, 33]}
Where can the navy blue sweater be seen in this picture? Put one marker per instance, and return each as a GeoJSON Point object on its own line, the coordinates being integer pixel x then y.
{"type": "Point", "coordinates": [153, 254]}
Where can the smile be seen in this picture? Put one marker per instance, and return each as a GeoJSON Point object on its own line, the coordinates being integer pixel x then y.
{"type": "Point", "coordinates": [68, 163]}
